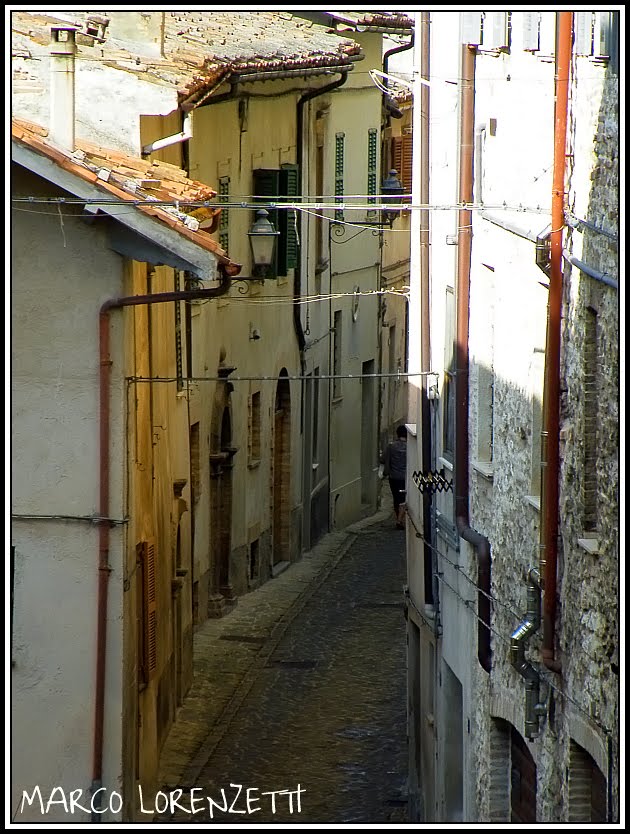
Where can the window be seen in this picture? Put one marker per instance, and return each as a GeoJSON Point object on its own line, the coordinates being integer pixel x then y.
{"type": "Point", "coordinates": [400, 158]}
{"type": "Point", "coordinates": [195, 479]}
{"type": "Point", "coordinates": [337, 340]}
{"type": "Point", "coordinates": [224, 191]}
{"type": "Point", "coordinates": [531, 31]}
{"type": "Point", "coordinates": [277, 185]}
{"type": "Point", "coordinates": [596, 36]}
{"type": "Point", "coordinates": [339, 171]}
{"type": "Point", "coordinates": [315, 415]}
{"type": "Point", "coordinates": [179, 350]}
{"type": "Point", "coordinates": [587, 787]}
{"type": "Point", "coordinates": [448, 415]}
{"type": "Point", "coordinates": [254, 427]}
{"type": "Point", "coordinates": [254, 559]}
{"type": "Point", "coordinates": [372, 163]}
{"type": "Point", "coordinates": [146, 612]}
{"type": "Point", "coordinates": [496, 28]}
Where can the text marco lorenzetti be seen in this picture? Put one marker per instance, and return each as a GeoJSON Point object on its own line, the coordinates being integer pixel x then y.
{"type": "Point", "coordinates": [236, 799]}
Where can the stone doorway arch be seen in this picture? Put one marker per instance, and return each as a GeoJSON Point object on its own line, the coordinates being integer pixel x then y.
{"type": "Point", "coordinates": [281, 474]}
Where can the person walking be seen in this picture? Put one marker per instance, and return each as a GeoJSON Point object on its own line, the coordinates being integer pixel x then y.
{"type": "Point", "coordinates": [394, 460]}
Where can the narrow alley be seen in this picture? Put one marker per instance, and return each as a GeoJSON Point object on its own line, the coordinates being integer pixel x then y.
{"type": "Point", "coordinates": [303, 684]}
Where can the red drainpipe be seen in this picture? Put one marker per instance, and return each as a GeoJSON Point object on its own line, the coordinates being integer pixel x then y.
{"type": "Point", "coordinates": [103, 542]}
{"type": "Point", "coordinates": [464, 249]}
{"type": "Point", "coordinates": [551, 396]}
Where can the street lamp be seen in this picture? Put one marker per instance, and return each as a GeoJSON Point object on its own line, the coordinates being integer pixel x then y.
{"type": "Point", "coordinates": [391, 190]}
{"type": "Point", "coordinates": [262, 239]}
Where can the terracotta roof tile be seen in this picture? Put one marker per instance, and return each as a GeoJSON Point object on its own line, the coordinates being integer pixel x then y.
{"type": "Point", "coordinates": [126, 177]}
{"type": "Point", "coordinates": [201, 49]}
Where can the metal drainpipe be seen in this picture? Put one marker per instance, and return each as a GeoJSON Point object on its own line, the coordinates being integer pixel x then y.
{"type": "Point", "coordinates": [550, 439]}
{"type": "Point", "coordinates": [297, 286]}
{"type": "Point", "coordinates": [464, 248]}
{"type": "Point", "coordinates": [518, 643]}
{"type": "Point", "coordinates": [104, 569]}
{"type": "Point", "coordinates": [430, 562]}
{"type": "Point", "coordinates": [395, 51]}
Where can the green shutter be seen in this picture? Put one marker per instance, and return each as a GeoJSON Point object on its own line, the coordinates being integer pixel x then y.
{"type": "Point", "coordinates": [372, 160]}
{"type": "Point", "coordinates": [224, 191]}
{"type": "Point", "coordinates": [266, 190]}
{"type": "Point", "coordinates": [288, 240]}
{"type": "Point", "coordinates": [339, 153]}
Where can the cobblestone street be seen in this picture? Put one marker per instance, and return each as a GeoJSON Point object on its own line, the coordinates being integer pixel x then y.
{"type": "Point", "coordinates": [302, 684]}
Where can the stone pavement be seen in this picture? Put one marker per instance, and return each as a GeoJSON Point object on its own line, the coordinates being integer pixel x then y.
{"type": "Point", "coordinates": [244, 698]}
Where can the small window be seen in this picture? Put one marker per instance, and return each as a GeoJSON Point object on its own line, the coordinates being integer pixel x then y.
{"type": "Point", "coordinates": [195, 478]}
{"type": "Point", "coordinates": [254, 559]}
{"type": "Point", "coordinates": [316, 415]}
{"type": "Point", "coordinates": [224, 236]}
{"type": "Point", "coordinates": [254, 427]}
{"type": "Point", "coordinates": [337, 343]}
{"type": "Point", "coordinates": [146, 607]}
{"type": "Point", "coordinates": [179, 347]}
{"type": "Point", "coordinates": [448, 415]}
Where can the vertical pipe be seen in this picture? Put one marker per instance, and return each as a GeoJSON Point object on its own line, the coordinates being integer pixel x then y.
{"type": "Point", "coordinates": [551, 396]}
{"type": "Point", "coordinates": [464, 250]}
{"type": "Point", "coordinates": [105, 365]}
{"type": "Point", "coordinates": [430, 593]}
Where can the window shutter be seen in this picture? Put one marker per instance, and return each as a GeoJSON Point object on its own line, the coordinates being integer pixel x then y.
{"type": "Point", "coordinates": [288, 240]}
{"type": "Point", "coordinates": [495, 30]}
{"type": "Point", "coordinates": [339, 171]}
{"type": "Point", "coordinates": [405, 175]}
{"type": "Point", "coordinates": [471, 28]}
{"type": "Point", "coordinates": [149, 661]}
{"type": "Point", "coordinates": [267, 189]}
{"type": "Point", "coordinates": [372, 161]}
{"type": "Point", "coordinates": [224, 191]}
{"type": "Point", "coordinates": [531, 31]}
{"type": "Point", "coordinates": [401, 147]}
{"type": "Point", "coordinates": [548, 33]}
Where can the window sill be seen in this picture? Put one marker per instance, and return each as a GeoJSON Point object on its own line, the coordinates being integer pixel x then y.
{"type": "Point", "coordinates": [445, 463]}
{"type": "Point", "coordinates": [534, 500]}
{"type": "Point", "coordinates": [254, 463]}
{"type": "Point", "coordinates": [590, 544]}
{"type": "Point", "coordinates": [484, 468]}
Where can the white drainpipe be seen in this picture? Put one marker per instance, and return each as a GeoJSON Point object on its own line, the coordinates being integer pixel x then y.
{"type": "Point", "coordinates": [171, 140]}
{"type": "Point", "coordinates": [62, 111]}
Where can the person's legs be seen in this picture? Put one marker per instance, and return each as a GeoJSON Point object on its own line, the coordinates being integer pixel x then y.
{"type": "Point", "coordinates": [398, 489]}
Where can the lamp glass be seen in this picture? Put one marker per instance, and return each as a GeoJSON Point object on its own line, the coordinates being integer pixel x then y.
{"type": "Point", "coordinates": [262, 239]}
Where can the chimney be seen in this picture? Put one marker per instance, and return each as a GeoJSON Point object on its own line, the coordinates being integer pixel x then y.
{"type": "Point", "coordinates": [62, 52]}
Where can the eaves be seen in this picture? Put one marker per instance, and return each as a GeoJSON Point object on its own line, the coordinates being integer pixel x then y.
{"type": "Point", "coordinates": [158, 241]}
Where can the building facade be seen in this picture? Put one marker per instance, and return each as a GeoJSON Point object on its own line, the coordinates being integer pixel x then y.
{"type": "Point", "coordinates": [513, 536]}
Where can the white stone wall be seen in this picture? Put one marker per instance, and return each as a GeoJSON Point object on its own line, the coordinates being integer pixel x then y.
{"type": "Point", "coordinates": [514, 123]}
{"type": "Point", "coordinates": [60, 276]}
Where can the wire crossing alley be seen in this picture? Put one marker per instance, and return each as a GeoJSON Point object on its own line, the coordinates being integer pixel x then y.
{"type": "Point", "coordinates": [319, 735]}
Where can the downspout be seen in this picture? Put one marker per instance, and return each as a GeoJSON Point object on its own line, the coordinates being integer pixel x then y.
{"type": "Point", "coordinates": [518, 642]}
{"type": "Point", "coordinates": [185, 134]}
{"type": "Point", "coordinates": [297, 283]}
{"type": "Point", "coordinates": [550, 436]}
{"type": "Point", "coordinates": [395, 51]}
{"type": "Point", "coordinates": [430, 572]}
{"type": "Point", "coordinates": [105, 365]}
{"type": "Point", "coordinates": [297, 280]}
{"type": "Point", "coordinates": [464, 249]}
